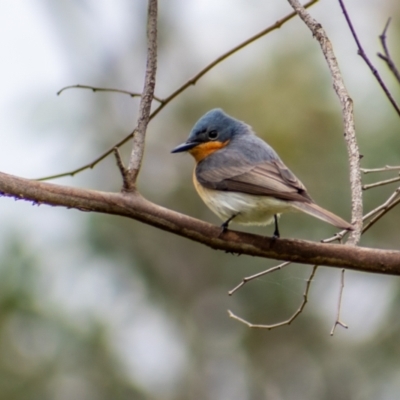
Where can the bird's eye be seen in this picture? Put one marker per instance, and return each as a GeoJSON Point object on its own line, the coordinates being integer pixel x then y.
{"type": "Point", "coordinates": [212, 135]}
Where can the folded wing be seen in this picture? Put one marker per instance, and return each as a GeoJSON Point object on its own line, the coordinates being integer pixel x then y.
{"type": "Point", "coordinates": [270, 178]}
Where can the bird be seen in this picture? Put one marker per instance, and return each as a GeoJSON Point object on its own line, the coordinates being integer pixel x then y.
{"type": "Point", "coordinates": [242, 179]}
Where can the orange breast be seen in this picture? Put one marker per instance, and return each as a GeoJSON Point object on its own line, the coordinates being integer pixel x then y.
{"type": "Point", "coordinates": [205, 149]}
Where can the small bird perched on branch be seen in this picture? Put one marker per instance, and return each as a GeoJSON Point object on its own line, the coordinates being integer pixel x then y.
{"type": "Point", "coordinates": [242, 179]}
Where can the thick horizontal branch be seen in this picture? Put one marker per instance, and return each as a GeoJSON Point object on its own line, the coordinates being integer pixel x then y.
{"type": "Point", "coordinates": [133, 205]}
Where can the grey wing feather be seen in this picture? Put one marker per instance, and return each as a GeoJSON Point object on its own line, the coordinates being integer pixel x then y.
{"type": "Point", "coordinates": [269, 178]}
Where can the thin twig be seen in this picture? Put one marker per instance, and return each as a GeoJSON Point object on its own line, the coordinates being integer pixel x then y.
{"type": "Point", "coordinates": [377, 213]}
{"type": "Point", "coordinates": [101, 89]}
{"type": "Point", "coordinates": [384, 209]}
{"type": "Point", "coordinates": [386, 56]}
{"type": "Point", "coordinates": [383, 169]}
{"type": "Point", "coordinates": [363, 55]}
{"type": "Point", "coordinates": [146, 99]}
{"type": "Point", "coordinates": [121, 167]}
{"type": "Point", "coordinates": [338, 321]}
{"type": "Point", "coordinates": [181, 89]}
{"type": "Point", "coordinates": [258, 275]}
{"type": "Point", "coordinates": [289, 320]}
{"type": "Point", "coordinates": [381, 183]}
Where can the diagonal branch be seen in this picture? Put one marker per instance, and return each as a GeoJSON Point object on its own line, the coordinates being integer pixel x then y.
{"type": "Point", "coordinates": [136, 207]}
{"type": "Point", "coordinates": [348, 118]}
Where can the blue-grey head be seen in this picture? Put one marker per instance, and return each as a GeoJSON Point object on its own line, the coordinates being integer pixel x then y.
{"type": "Point", "coordinates": [213, 131]}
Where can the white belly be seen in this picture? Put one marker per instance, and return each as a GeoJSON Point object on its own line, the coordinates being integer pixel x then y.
{"type": "Point", "coordinates": [250, 210]}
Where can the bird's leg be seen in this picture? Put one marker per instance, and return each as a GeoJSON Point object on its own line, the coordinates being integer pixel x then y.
{"type": "Point", "coordinates": [276, 231]}
{"type": "Point", "coordinates": [225, 225]}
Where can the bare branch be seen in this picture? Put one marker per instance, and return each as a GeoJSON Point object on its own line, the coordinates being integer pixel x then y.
{"type": "Point", "coordinates": [381, 183]}
{"type": "Point", "coordinates": [136, 207]}
{"type": "Point", "coordinates": [383, 209]}
{"type": "Point", "coordinates": [386, 56]}
{"type": "Point", "coordinates": [181, 89]}
{"type": "Point", "coordinates": [258, 275]}
{"type": "Point", "coordinates": [121, 167]}
{"type": "Point", "coordinates": [384, 169]}
{"type": "Point", "coordinates": [348, 118]}
{"type": "Point", "coordinates": [364, 56]}
{"type": "Point", "coordinates": [101, 89]}
{"type": "Point", "coordinates": [289, 320]}
{"type": "Point", "coordinates": [146, 99]}
{"type": "Point", "coordinates": [338, 321]}
{"type": "Point", "coordinates": [377, 213]}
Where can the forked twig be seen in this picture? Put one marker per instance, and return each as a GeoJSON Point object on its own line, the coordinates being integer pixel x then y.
{"type": "Point", "coordinates": [383, 209]}
{"type": "Point", "coordinates": [377, 213]}
{"type": "Point", "coordinates": [289, 320]}
{"type": "Point", "coordinates": [101, 89]}
{"type": "Point", "coordinates": [338, 321]}
{"type": "Point", "coordinates": [181, 89]}
{"type": "Point", "coordinates": [364, 56]}
{"type": "Point", "coordinates": [386, 56]}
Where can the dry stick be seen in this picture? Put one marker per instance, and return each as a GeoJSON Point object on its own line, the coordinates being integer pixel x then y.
{"type": "Point", "coordinates": [101, 89]}
{"type": "Point", "coordinates": [121, 167]}
{"type": "Point", "coordinates": [384, 169]}
{"type": "Point", "coordinates": [289, 320]}
{"type": "Point", "coordinates": [382, 212]}
{"type": "Point", "coordinates": [381, 183]}
{"type": "Point", "coordinates": [146, 99]}
{"type": "Point", "coordinates": [386, 57]}
{"type": "Point", "coordinates": [181, 89]}
{"type": "Point", "coordinates": [338, 321]}
{"type": "Point", "coordinates": [258, 275]}
{"type": "Point", "coordinates": [377, 213]}
{"type": "Point", "coordinates": [367, 61]}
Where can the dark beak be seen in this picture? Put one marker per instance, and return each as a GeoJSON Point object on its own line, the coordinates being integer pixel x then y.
{"type": "Point", "coordinates": [184, 147]}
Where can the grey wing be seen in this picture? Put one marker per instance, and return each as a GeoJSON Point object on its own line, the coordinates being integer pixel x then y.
{"type": "Point", "coordinates": [269, 178]}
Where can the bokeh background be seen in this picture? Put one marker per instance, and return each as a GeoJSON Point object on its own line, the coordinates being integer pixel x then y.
{"type": "Point", "coordinates": [97, 307]}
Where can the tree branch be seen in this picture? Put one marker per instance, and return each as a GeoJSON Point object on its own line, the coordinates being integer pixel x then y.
{"type": "Point", "coordinates": [102, 89]}
{"type": "Point", "coordinates": [348, 118]}
{"type": "Point", "coordinates": [364, 56]}
{"type": "Point", "coordinates": [146, 99]}
{"type": "Point", "coordinates": [386, 56]}
{"type": "Point", "coordinates": [136, 207]}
